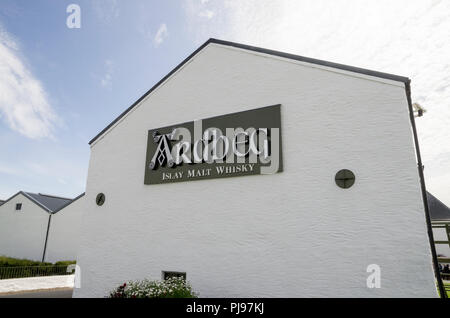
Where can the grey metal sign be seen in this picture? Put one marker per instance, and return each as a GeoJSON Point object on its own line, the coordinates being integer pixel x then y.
{"type": "Point", "coordinates": [238, 144]}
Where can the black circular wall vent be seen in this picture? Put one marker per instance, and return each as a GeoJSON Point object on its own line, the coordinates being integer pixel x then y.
{"type": "Point", "coordinates": [100, 199]}
{"type": "Point", "coordinates": [345, 178]}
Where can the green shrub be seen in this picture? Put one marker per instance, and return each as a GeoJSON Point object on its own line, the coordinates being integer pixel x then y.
{"type": "Point", "coordinates": [19, 268]}
{"type": "Point", "coordinates": [174, 287]}
{"type": "Point", "coordinates": [13, 262]}
{"type": "Point", "coordinates": [67, 263]}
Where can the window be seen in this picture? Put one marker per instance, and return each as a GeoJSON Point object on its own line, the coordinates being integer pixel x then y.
{"type": "Point", "coordinates": [18, 206]}
{"type": "Point", "coordinates": [167, 275]}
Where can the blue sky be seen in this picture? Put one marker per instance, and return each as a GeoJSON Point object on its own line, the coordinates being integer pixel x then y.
{"type": "Point", "coordinates": [89, 76]}
{"type": "Point", "coordinates": [70, 83]}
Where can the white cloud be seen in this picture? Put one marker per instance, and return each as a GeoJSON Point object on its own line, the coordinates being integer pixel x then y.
{"type": "Point", "coordinates": [404, 37]}
{"type": "Point", "coordinates": [23, 101]}
{"type": "Point", "coordinates": [160, 35]}
{"type": "Point", "coordinates": [209, 14]}
{"type": "Point", "coordinates": [106, 80]}
{"type": "Point", "coordinates": [106, 10]}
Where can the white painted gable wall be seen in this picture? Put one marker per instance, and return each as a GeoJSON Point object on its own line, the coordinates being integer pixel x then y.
{"type": "Point", "coordinates": [293, 234]}
{"type": "Point", "coordinates": [22, 233]}
{"type": "Point", "coordinates": [64, 234]}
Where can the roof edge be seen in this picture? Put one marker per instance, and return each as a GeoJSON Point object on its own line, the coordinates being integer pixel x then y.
{"type": "Point", "coordinates": [69, 203]}
{"type": "Point", "coordinates": [300, 58]}
{"type": "Point", "coordinates": [150, 90]}
{"type": "Point", "coordinates": [54, 196]}
{"type": "Point", "coordinates": [344, 67]}
{"type": "Point", "coordinates": [12, 197]}
{"type": "Point", "coordinates": [442, 203]}
{"type": "Point", "coordinates": [36, 201]}
{"type": "Point", "coordinates": [26, 195]}
{"type": "Point", "coordinates": [29, 198]}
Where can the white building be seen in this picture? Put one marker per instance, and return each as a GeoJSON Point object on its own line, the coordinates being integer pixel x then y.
{"type": "Point", "coordinates": [24, 223]}
{"type": "Point", "coordinates": [440, 219]}
{"type": "Point", "coordinates": [303, 231]}
{"type": "Point", "coordinates": [64, 231]}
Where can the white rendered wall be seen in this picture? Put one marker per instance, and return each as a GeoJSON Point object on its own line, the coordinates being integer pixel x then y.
{"type": "Point", "coordinates": [63, 238]}
{"type": "Point", "coordinates": [292, 234]}
{"type": "Point", "coordinates": [22, 233]}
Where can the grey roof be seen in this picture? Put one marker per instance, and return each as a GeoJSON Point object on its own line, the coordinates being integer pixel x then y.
{"type": "Point", "coordinates": [259, 50]}
{"type": "Point", "coordinates": [2, 201]}
{"type": "Point", "coordinates": [438, 210]}
{"type": "Point", "coordinates": [50, 203]}
{"type": "Point", "coordinates": [69, 203]}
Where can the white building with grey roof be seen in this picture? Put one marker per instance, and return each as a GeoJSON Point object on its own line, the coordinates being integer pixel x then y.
{"type": "Point", "coordinates": [25, 220]}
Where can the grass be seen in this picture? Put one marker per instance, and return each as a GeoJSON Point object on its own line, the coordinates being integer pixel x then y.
{"type": "Point", "coordinates": [15, 262]}
{"type": "Point", "coordinates": [447, 289]}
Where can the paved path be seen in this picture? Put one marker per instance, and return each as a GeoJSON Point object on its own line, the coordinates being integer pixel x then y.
{"type": "Point", "coordinates": [52, 293]}
{"type": "Point", "coordinates": [22, 285]}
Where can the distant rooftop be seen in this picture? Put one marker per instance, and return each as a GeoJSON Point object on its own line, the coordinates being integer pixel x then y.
{"type": "Point", "coordinates": [49, 202]}
{"type": "Point", "coordinates": [438, 210]}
